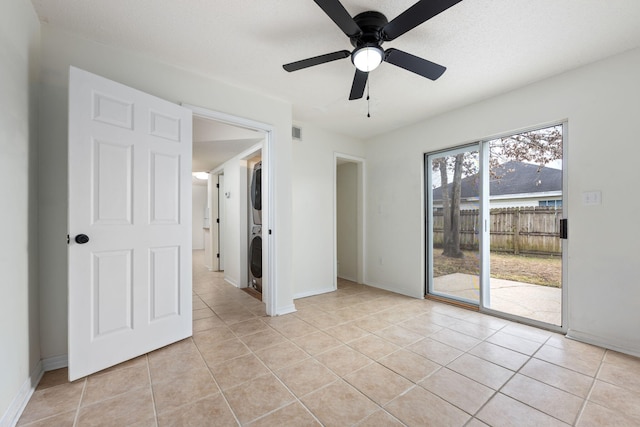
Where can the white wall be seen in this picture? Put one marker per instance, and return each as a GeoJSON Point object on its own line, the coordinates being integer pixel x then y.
{"type": "Point", "coordinates": [347, 220]}
{"type": "Point", "coordinates": [19, 333]}
{"type": "Point", "coordinates": [313, 206]}
{"type": "Point", "coordinates": [199, 204]}
{"type": "Point", "coordinates": [141, 72]}
{"type": "Point", "coordinates": [235, 222]}
{"type": "Point", "coordinates": [600, 102]}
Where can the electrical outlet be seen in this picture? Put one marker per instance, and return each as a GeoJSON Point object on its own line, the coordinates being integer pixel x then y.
{"type": "Point", "coordinates": [591, 198]}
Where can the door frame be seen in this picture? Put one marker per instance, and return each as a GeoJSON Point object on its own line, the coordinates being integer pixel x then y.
{"type": "Point", "coordinates": [360, 162]}
{"type": "Point", "coordinates": [484, 218]}
{"type": "Point", "coordinates": [269, 255]}
{"type": "Point", "coordinates": [428, 219]}
{"type": "Point", "coordinates": [220, 201]}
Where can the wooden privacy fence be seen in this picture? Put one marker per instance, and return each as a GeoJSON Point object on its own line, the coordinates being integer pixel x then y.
{"type": "Point", "coordinates": [522, 230]}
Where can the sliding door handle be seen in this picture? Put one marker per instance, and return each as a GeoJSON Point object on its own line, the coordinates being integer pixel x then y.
{"type": "Point", "coordinates": [564, 228]}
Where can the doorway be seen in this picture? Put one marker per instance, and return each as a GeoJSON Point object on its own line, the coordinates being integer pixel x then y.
{"type": "Point", "coordinates": [348, 218]}
{"type": "Point", "coordinates": [496, 229]}
{"type": "Point", "coordinates": [235, 195]}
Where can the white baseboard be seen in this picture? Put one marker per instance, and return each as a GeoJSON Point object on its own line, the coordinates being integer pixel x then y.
{"type": "Point", "coordinates": [601, 342]}
{"type": "Point", "coordinates": [231, 282]}
{"type": "Point", "coordinates": [394, 290]}
{"type": "Point", "coordinates": [280, 311]}
{"type": "Point", "coordinates": [13, 413]}
{"type": "Point", "coordinates": [314, 292]}
{"type": "Point", "coordinates": [56, 362]}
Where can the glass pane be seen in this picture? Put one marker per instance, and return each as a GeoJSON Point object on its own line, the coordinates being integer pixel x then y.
{"type": "Point", "coordinates": [454, 250]}
{"type": "Point", "coordinates": [525, 201]}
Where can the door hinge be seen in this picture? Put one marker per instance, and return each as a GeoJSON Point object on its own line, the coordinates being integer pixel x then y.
{"type": "Point", "coordinates": [564, 228]}
{"type": "Point", "coordinates": [217, 255]}
{"type": "Point", "coordinates": [217, 185]}
{"type": "Point", "coordinates": [269, 231]}
{"type": "Point", "coordinates": [217, 220]}
{"type": "Point", "coordinates": [68, 239]}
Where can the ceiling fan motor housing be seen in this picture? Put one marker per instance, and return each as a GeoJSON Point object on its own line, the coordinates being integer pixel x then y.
{"type": "Point", "coordinates": [371, 23]}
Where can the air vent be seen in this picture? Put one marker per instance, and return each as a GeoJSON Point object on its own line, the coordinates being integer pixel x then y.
{"type": "Point", "coordinates": [296, 133]}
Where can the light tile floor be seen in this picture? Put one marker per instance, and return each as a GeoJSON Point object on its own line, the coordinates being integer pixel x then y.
{"type": "Point", "coordinates": [357, 356]}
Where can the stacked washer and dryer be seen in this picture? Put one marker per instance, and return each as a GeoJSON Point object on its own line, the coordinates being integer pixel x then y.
{"type": "Point", "coordinates": [255, 239]}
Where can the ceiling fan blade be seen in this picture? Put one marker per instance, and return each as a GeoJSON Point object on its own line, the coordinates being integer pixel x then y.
{"type": "Point", "coordinates": [414, 16]}
{"type": "Point", "coordinates": [316, 60]}
{"type": "Point", "coordinates": [412, 63]}
{"type": "Point", "coordinates": [359, 83]}
{"type": "Point", "coordinates": [340, 16]}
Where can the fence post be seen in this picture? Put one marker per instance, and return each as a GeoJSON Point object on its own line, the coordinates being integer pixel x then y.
{"type": "Point", "coordinates": [516, 234]}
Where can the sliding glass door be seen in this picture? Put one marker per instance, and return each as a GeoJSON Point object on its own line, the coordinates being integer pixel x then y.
{"type": "Point", "coordinates": [495, 219]}
{"type": "Point", "coordinates": [525, 216]}
{"type": "Point", "coordinates": [454, 257]}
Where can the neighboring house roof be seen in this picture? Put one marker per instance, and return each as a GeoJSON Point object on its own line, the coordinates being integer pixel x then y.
{"type": "Point", "coordinates": [512, 178]}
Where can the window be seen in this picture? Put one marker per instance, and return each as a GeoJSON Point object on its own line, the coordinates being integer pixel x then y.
{"type": "Point", "coordinates": [550, 203]}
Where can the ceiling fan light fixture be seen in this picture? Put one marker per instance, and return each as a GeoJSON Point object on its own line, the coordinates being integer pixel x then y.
{"type": "Point", "coordinates": [367, 58]}
{"type": "Point", "coordinates": [201, 175]}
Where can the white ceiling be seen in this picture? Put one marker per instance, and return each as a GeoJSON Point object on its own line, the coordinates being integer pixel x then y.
{"type": "Point", "coordinates": [489, 47]}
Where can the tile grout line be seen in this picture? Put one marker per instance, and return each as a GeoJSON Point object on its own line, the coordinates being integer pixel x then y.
{"type": "Point", "coordinates": [216, 382]}
{"type": "Point", "coordinates": [77, 416]}
{"type": "Point", "coordinates": [297, 399]}
{"type": "Point", "coordinates": [252, 352]}
{"type": "Point", "coordinates": [518, 372]}
{"type": "Point", "coordinates": [495, 392]}
{"type": "Point", "coordinates": [339, 377]}
{"type": "Point", "coordinates": [593, 384]}
{"type": "Point", "coordinates": [153, 399]}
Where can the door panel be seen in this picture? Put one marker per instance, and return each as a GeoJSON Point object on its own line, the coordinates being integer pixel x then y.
{"type": "Point", "coordinates": [113, 181]}
{"type": "Point", "coordinates": [164, 204]}
{"type": "Point", "coordinates": [130, 193]}
{"type": "Point", "coordinates": [454, 266]}
{"type": "Point", "coordinates": [165, 282]}
{"type": "Point", "coordinates": [112, 282]}
{"type": "Point", "coordinates": [525, 187]}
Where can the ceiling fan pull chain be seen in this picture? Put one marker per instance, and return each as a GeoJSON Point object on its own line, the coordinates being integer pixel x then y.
{"type": "Point", "coordinates": [368, 103]}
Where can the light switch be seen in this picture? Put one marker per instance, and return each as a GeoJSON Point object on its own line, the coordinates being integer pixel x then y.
{"type": "Point", "coordinates": [590, 198]}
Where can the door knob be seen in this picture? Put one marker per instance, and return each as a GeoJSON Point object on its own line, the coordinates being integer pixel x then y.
{"type": "Point", "coordinates": [81, 239]}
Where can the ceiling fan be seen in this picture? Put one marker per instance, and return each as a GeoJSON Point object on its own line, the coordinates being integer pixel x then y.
{"type": "Point", "coordinates": [367, 31]}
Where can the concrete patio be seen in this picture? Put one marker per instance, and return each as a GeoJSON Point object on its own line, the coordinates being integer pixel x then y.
{"type": "Point", "coordinates": [536, 302]}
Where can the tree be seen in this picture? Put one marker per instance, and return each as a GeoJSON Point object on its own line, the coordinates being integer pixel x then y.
{"type": "Point", "coordinates": [451, 205]}
{"type": "Point", "coordinates": [540, 146]}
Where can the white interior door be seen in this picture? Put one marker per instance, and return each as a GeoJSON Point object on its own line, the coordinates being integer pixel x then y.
{"type": "Point", "coordinates": [130, 195]}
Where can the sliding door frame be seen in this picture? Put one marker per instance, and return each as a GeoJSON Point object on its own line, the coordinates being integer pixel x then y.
{"type": "Point", "coordinates": [484, 236]}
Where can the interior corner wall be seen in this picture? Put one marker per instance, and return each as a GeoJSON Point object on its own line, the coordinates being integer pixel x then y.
{"type": "Point", "coordinates": [59, 51]}
{"type": "Point", "coordinates": [314, 208]}
{"type": "Point", "coordinates": [347, 220]}
{"type": "Point", "coordinates": [198, 211]}
{"type": "Point", "coordinates": [19, 303]}
{"type": "Point", "coordinates": [600, 103]}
